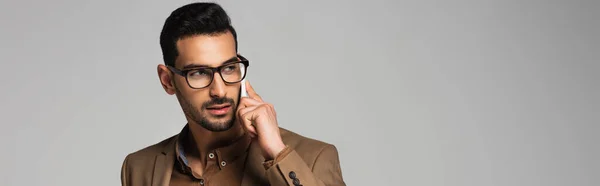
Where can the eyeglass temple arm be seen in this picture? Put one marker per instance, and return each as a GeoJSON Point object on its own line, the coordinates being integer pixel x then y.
{"type": "Point", "coordinates": [176, 70]}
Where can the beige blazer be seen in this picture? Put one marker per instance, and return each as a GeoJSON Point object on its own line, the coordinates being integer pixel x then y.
{"type": "Point", "coordinates": [313, 163]}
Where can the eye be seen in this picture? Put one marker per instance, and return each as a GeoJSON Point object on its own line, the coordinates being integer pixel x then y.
{"type": "Point", "coordinates": [230, 68]}
{"type": "Point", "coordinates": [199, 73]}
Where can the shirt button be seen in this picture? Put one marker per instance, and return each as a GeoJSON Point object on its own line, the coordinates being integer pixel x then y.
{"type": "Point", "coordinates": [211, 155]}
{"type": "Point", "coordinates": [223, 164]}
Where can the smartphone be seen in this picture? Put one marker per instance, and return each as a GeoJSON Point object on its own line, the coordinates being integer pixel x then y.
{"type": "Point", "coordinates": [243, 91]}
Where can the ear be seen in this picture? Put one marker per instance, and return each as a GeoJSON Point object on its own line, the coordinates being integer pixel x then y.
{"type": "Point", "coordinates": [166, 79]}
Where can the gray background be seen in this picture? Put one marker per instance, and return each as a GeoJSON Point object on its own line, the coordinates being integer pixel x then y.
{"type": "Point", "coordinates": [411, 92]}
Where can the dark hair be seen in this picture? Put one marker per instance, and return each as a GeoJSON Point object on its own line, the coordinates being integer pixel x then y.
{"type": "Point", "coordinates": [193, 19]}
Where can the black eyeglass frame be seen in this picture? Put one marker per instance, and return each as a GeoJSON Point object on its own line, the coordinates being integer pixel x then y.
{"type": "Point", "coordinates": [184, 73]}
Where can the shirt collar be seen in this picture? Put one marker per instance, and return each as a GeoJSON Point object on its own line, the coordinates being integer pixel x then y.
{"type": "Point", "coordinates": [225, 154]}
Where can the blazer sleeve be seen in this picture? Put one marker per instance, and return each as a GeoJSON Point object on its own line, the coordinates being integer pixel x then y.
{"type": "Point", "coordinates": [293, 170]}
{"type": "Point", "coordinates": [124, 173]}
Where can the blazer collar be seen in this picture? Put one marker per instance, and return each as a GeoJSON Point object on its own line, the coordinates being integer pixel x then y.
{"type": "Point", "coordinates": [163, 164]}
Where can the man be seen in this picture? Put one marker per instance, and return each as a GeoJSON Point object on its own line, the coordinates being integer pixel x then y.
{"type": "Point", "coordinates": [228, 139]}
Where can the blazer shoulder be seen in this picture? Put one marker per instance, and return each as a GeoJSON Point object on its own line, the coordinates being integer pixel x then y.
{"type": "Point", "coordinates": [308, 148]}
{"type": "Point", "coordinates": [149, 152]}
{"type": "Point", "coordinates": [138, 166]}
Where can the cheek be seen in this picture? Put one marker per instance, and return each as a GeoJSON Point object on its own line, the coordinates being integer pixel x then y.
{"type": "Point", "coordinates": [196, 97]}
{"type": "Point", "coordinates": [235, 94]}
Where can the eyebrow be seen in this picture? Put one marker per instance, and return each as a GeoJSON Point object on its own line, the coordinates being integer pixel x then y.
{"type": "Point", "coordinates": [233, 59]}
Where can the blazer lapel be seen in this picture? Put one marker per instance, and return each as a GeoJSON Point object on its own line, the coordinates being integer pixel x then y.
{"type": "Point", "coordinates": [254, 172]}
{"type": "Point", "coordinates": [163, 165]}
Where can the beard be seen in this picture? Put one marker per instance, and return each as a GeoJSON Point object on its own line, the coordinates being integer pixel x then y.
{"type": "Point", "coordinates": [197, 114]}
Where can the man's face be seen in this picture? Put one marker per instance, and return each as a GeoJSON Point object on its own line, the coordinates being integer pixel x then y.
{"type": "Point", "coordinates": [214, 106]}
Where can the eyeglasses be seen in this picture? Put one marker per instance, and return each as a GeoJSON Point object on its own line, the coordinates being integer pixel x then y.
{"type": "Point", "coordinates": [201, 77]}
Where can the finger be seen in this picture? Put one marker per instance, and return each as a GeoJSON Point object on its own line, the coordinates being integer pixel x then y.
{"type": "Point", "coordinates": [245, 118]}
{"type": "Point", "coordinates": [249, 123]}
{"type": "Point", "coordinates": [251, 93]}
{"type": "Point", "coordinates": [261, 109]}
{"type": "Point", "coordinates": [241, 112]}
{"type": "Point", "coordinates": [248, 102]}
{"type": "Point", "coordinates": [250, 129]}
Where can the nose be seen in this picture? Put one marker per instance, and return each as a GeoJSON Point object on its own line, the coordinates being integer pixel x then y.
{"type": "Point", "coordinates": [217, 87]}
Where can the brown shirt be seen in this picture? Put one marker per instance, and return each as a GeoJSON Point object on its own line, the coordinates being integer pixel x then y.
{"type": "Point", "coordinates": [224, 166]}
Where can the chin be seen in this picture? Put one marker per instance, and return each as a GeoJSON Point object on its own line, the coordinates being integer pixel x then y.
{"type": "Point", "coordinates": [219, 127]}
{"type": "Point", "coordinates": [220, 118]}
{"type": "Point", "coordinates": [218, 124]}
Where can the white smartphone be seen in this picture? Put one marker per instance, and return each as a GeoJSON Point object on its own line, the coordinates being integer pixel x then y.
{"type": "Point", "coordinates": [243, 91]}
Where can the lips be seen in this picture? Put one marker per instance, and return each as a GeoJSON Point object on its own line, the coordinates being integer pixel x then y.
{"type": "Point", "coordinates": [219, 109]}
{"type": "Point", "coordinates": [218, 106]}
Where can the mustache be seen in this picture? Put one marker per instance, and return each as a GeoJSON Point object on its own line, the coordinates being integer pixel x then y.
{"type": "Point", "coordinates": [217, 101]}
